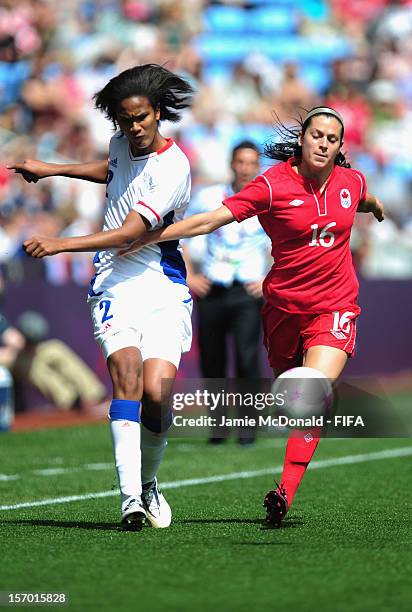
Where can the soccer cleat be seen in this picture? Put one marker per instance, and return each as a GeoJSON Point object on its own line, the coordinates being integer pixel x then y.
{"type": "Point", "coordinates": [158, 510]}
{"type": "Point", "coordinates": [133, 516]}
{"type": "Point", "coordinates": [276, 504]}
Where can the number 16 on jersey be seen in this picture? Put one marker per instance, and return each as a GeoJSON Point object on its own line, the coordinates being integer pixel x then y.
{"type": "Point", "coordinates": [326, 238]}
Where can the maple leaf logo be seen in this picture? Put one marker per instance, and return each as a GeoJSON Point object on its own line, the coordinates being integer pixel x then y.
{"type": "Point", "coordinates": [345, 198]}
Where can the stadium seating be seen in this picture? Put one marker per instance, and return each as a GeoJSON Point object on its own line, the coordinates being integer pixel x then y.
{"type": "Point", "coordinates": [231, 49]}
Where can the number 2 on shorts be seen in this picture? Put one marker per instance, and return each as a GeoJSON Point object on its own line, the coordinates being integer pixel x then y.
{"type": "Point", "coordinates": [106, 305]}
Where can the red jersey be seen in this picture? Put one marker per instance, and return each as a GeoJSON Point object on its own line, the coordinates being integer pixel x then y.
{"type": "Point", "coordinates": [310, 232]}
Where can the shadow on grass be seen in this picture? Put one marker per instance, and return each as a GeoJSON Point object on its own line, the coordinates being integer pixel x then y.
{"type": "Point", "coordinates": [287, 524]}
{"type": "Point", "coordinates": [213, 521]}
{"type": "Point", "coordinates": [66, 524]}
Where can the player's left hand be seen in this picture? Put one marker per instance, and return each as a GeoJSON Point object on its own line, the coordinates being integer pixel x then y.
{"type": "Point", "coordinates": [134, 246]}
{"type": "Point", "coordinates": [39, 246]}
{"type": "Point", "coordinates": [379, 211]}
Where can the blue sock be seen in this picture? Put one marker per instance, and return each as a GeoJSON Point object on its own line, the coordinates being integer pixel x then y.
{"type": "Point", "coordinates": [127, 410]}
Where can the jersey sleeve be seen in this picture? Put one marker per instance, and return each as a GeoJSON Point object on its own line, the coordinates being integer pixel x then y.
{"type": "Point", "coordinates": [164, 194]}
{"type": "Point", "coordinates": [363, 186]}
{"type": "Point", "coordinates": [254, 199]}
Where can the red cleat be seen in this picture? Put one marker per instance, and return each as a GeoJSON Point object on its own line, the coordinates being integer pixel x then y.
{"type": "Point", "coordinates": [276, 504]}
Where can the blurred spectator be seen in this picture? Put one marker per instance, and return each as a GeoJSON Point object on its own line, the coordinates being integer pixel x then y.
{"type": "Point", "coordinates": [293, 93]}
{"type": "Point", "coordinates": [386, 251]}
{"type": "Point", "coordinates": [13, 72]}
{"type": "Point", "coordinates": [241, 93]}
{"type": "Point", "coordinates": [48, 365]}
{"type": "Point", "coordinates": [244, 64]}
{"type": "Point", "coordinates": [359, 11]}
{"type": "Point", "coordinates": [356, 113]}
{"type": "Point", "coordinates": [11, 342]}
{"type": "Point", "coordinates": [395, 22]}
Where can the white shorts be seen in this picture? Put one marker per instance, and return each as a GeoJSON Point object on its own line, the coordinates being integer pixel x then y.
{"type": "Point", "coordinates": [153, 315]}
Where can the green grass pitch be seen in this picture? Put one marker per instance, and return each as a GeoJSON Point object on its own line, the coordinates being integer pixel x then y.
{"type": "Point", "coordinates": [345, 544]}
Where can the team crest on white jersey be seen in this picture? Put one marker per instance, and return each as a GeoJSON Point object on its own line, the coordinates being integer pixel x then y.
{"type": "Point", "coordinates": [296, 202]}
{"type": "Point", "coordinates": [147, 181]}
{"type": "Point", "coordinates": [345, 198]}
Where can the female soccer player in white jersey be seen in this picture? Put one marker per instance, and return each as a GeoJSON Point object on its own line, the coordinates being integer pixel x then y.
{"type": "Point", "coordinates": [307, 206]}
{"type": "Point", "coordinates": [140, 304]}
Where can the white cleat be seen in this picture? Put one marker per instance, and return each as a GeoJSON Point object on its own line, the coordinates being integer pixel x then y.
{"type": "Point", "coordinates": [158, 511]}
{"type": "Point", "coordinates": [133, 515]}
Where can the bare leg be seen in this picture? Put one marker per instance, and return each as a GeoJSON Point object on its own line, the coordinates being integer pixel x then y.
{"type": "Point", "coordinates": [158, 376]}
{"type": "Point", "coordinates": [302, 445]}
{"type": "Point", "coordinates": [327, 359]}
{"type": "Point", "coordinates": [126, 369]}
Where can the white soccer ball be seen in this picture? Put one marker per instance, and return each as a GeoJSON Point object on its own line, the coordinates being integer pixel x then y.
{"type": "Point", "coordinates": [306, 392]}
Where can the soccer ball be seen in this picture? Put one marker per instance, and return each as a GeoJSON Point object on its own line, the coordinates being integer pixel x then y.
{"type": "Point", "coordinates": [306, 392]}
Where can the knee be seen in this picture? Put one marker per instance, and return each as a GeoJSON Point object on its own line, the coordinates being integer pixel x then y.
{"type": "Point", "coordinates": [157, 415]}
{"type": "Point", "coordinates": [153, 393]}
{"type": "Point", "coordinates": [158, 386]}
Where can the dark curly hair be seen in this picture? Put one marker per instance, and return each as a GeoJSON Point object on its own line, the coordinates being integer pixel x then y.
{"type": "Point", "coordinates": [164, 90]}
{"type": "Point", "coordinates": [288, 146]}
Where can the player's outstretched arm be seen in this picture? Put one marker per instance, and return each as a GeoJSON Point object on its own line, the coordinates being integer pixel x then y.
{"type": "Point", "coordinates": [371, 204]}
{"type": "Point", "coordinates": [133, 227]}
{"type": "Point", "coordinates": [203, 223]}
{"type": "Point", "coordinates": [33, 170]}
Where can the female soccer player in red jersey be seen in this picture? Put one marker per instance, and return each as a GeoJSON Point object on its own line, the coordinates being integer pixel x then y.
{"type": "Point", "coordinates": [307, 206]}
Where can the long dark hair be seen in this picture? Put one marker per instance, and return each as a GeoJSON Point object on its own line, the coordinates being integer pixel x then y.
{"type": "Point", "coordinates": [164, 90]}
{"type": "Point", "coordinates": [288, 145]}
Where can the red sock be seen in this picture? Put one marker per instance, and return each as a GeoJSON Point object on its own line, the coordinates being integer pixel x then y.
{"type": "Point", "coordinates": [299, 452]}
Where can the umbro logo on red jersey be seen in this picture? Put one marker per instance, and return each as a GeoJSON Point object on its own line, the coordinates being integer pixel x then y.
{"type": "Point", "coordinates": [339, 335]}
{"type": "Point", "coordinates": [296, 202]}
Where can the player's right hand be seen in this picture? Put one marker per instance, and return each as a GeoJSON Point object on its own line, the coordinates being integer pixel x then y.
{"type": "Point", "coordinates": [39, 246]}
{"type": "Point", "coordinates": [31, 169]}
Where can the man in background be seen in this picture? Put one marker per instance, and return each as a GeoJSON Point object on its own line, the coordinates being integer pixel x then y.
{"type": "Point", "coordinates": [225, 272]}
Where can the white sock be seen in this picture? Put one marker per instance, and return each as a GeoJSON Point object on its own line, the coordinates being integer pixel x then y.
{"type": "Point", "coordinates": [153, 447]}
{"type": "Point", "coordinates": [127, 456]}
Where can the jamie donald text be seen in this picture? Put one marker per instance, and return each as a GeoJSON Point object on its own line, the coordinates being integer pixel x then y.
{"type": "Point", "coordinates": [268, 421]}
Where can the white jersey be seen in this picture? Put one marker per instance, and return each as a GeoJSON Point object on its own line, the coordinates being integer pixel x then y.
{"type": "Point", "coordinates": [158, 187]}
{"type": "Point", "coordinates": [233, 252]}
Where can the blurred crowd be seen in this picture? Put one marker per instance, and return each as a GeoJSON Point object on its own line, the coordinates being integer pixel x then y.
{"type": "Point", "coordinates": [246, 60]}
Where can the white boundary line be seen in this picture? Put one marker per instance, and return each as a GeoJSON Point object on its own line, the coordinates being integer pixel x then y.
{"type": "Point", "coordinates": [58, 471]}
{"type": "Point", "coordinates": [177, 484]}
